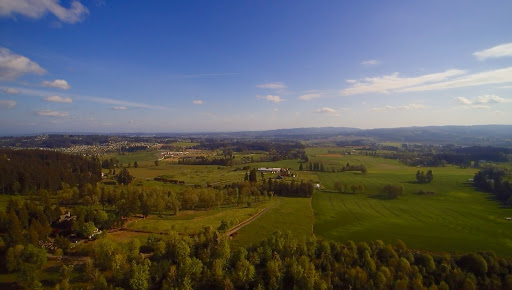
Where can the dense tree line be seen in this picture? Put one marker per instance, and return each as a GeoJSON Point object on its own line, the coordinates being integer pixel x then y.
{"type": "Point", "coordinates": [319, 166]}
{"type": "Point", "coordinates": [288, 188]}
{"type": "Point", "coordinates": [495, 180]}
{"type": "Point", "coordinates": [203, 160]}
{"type": "Point", "coordinates": [110, 163]}
{"type": "Point", "coordinates": [24, 171]}
{"type": "Point", "coordinates": [277, 150]}
{"type": "Point", "coordinates": [344, 187]}
{"type": "Point", "coordinates": [207, 261]}
{"type": "Point", "coordinates": [463, 156]}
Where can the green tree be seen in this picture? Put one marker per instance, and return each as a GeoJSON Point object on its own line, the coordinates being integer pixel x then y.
{"type": "Point", "coordinates": [429, 176]}
{"type": "Point", "coordinates": [392, 190]}
{"type": "Point", "coordinates": [253, 175]}
{"type": "Point", "coordinates": [124, 177]}
{"type": "Point", "coordinates": [139, 279]}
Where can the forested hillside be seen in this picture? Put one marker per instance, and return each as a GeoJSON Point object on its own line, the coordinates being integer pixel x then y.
{"type": "Point", "coordinates": [23, 171]}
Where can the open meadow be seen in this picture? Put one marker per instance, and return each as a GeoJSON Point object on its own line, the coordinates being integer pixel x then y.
{"type": "Point", "coordinates": [453, 218]}
{"type": "Point", "coordinates": [191, 222]}
{"type": "Point", "coordinates": [291, 214]}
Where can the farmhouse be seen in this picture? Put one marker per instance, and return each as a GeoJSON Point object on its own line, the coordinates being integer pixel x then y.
{"type": "Point", "coordinates": [271, 170]}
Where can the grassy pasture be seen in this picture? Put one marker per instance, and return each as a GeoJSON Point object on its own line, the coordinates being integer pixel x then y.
{"type": "Point", "coordinates": [142, 157]}
{"type": "Point", "coordinates": [289, 214]}
{"type": "Point", "coordinates": [190, 222]}
{"type": "Point", "coordinates": [194, 174]}
{"type": "Point", "coordinates": [455, 219]}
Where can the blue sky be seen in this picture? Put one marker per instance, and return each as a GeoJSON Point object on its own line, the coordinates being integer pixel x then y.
{"type": "Point", "coordinates": [189, 66]}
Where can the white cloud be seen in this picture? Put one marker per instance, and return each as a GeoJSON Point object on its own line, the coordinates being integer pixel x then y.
{"type": "Point", "coordinates": [464, 101]}
{"type": "Point", "coordinates": [393, 82]}
{"type": "Point", "coordinates": [50, 113]}
{"type": "Point", "coordinates": [308, 97]}
{"type": "Point", "coordinates": [502, 50]}
{"type": "Point", "coordinates": [119, 108]}
{"type": "Point", "coordinates": [58, 99]}
{"type": "Point", "coordinates": [274, 86]}
{"type": "Point", "coordinates": [399, 108]}
{"type": "Point", "coordinates": [449, 79]}
{"type": "Point", "coordinates": [7, 104]}
{"type": "Point", "coordinates": [120, 102]}
{"type": "Point", "coordinates": [109, 101]}
{"type": "Point", "coordinates": [198, 102]}
{"type": "Point", "coordinates": [370, 62]}
{"type": "Point", "coordinates": [488, 99]}
{"type": "Point", "coordinates": [498, 76]}
{"type": "Point", "coordinates": [12, 91]}
{"type": "Point", "coordinates": [14, 65]}
{"type": "Point", "coordinates": [38, 8]}
{"type": "Point", "coordinates": [482, 101]}
{"type": "Point", "coordinates": [60, 84]}
{"type": "Point", "coordinates": [271, 98]}
{"type": "Point", "coordinates": [485, 107]}
{"type": "Point", "coordinates": [328, 111]}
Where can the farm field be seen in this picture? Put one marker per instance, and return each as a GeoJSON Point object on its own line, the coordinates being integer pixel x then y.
{"type": "Point", "coordinates": [191, 174]}
{"type": "Point", "coordinates": [190, 222]}
{"type": "Point", "coordinates": [291, 214]}
{"type": "Point", "coordinates": [454, 219]}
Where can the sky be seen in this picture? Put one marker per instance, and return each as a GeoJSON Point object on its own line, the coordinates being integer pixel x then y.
{"type": "Point", "coordinates": [97, 66]}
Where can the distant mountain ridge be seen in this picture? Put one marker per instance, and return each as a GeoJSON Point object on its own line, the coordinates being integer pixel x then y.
{"type": "Point", "coordinates": [470, 135]}
{"type": "Point", "coordinates": [498, 135]}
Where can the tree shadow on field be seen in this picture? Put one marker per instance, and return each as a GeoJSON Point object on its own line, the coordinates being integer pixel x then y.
{"type": "Point", "coordinates": [380, 196]}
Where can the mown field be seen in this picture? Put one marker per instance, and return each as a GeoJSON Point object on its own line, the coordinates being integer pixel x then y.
{"type": "Point", "coordinates": [289, 214]}
{"type": "Point", "coordinates": [190, 222]}
{"type": "Point", "coordinates": [191, 174]}
{"type": "Point", "coordinates": [456, 218]}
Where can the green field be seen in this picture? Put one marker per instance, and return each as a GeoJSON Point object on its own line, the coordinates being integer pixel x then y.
{"type": "Point", "coordinates": [289, 214]}
{"type": "Point", "coordinates": [454, 219]}
{"type": "Point", "coordinates": [191, 174]}
{"type": "Point", "coordinates": [190, 222]}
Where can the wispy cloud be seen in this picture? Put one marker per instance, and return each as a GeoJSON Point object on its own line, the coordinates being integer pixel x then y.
{"type": "Point", "coordinates": [328, 111]}
{"type": "Point", "coordinates": [7, 104]}
{"type": "Point", "coordinates": [309, 97]}
{"type": "Point", "coordinates": [449, 79]}
{"type": "Point", "coordinates": [498, 76]}
{"type": "Point", "coordinates": [198, 102]}
{"type": "Point", "coordinates": [119, 108]}
{"type": "Point", "coordinates": [209, 75]}
{"type": "Point", "coordinates": [273, 86]}
{"type": "Point", "coordinates": [503, 50]}
{"type": "Point", "coordinates": [12, 91]}
{"type": "Point", "coordinates": [58, 99]}
{"type": "Point", "coordinates": [59, 84]}
{"type": "Point", "coordinates": [464, 101]}
{"type": "Point", "coordinates": [399, 108]}
{"type": "Point", "coordinates": [120, 102]}
{"type": "Point", "coordinates": [108, 101]}
{"type": "Point", "coordinates": [37, 9]}
{"type": "Point", "coordinates": [14, 65]}
{"type": "Point", "coordinates": [271, 98]}
{"type": "Point", "coordinates": [388, 83]}
{"type": "Point", "coordinates": [50, 113]}
{"type": "Point", "coordinates": [370, 62]}
{"type": "Point", "coordinates": [482, 101]}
